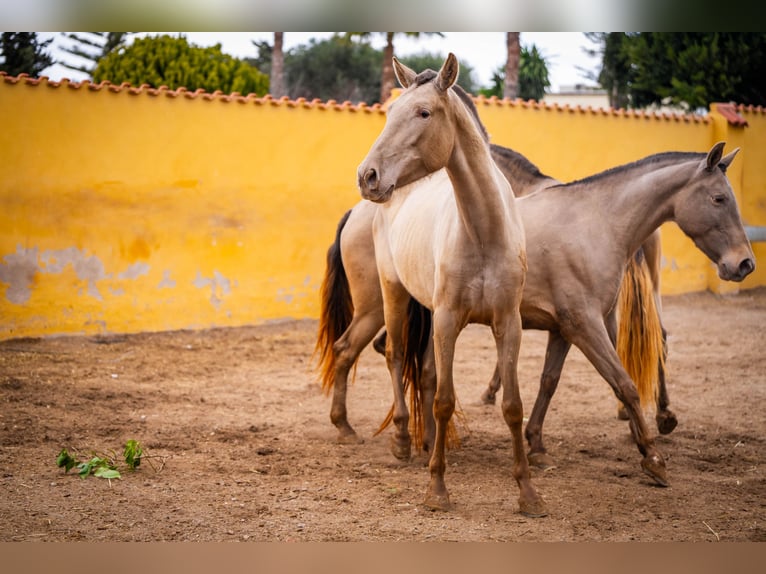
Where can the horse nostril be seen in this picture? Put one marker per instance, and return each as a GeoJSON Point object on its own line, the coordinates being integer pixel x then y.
{"type": "Point", "coordinates": [371, 178]}
{"type": "Point", "coordinates": [746, 267]}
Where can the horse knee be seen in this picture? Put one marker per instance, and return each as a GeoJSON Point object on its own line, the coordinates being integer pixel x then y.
{"type": "Point", "coordinates": [513, 412]}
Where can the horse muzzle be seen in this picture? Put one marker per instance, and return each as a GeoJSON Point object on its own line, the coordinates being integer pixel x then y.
{"type": "Point", "coordinates": [736, 272]}
{"type": "Point", "coordinates": [371, 187]}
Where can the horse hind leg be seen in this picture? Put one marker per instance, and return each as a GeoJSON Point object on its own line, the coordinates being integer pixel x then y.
{"type": "Point", "coordinates": [555, 355]}
{"type": "Point", "coordinates": [347, 350]}
{"type": "Point", "coordinates": [489, 394]}
{"type": "Point", "coordinates": [666, 419]}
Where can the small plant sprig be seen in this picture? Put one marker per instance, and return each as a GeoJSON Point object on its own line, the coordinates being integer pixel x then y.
{"type": "Point", "coordinates": [104, 465]}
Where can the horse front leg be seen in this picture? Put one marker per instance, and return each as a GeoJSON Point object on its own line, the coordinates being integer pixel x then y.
{"type": "Point", "coordinates": [593, 340]}
{"type": "Point", "coordinates": [508, 340]}
{"type": "Point", "coordinates": [555, 355]}
{"type": "Point", "coordinates": [347, 349]}
{"type": "Point", "coordinates": [445, 331]}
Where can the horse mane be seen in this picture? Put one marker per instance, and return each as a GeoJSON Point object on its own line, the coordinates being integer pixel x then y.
{"type": "Point", "coordinates": [662, 157]}
{"type": "Point", "coordinates": [519, 161]}
{"type": "Point", "coordinates": [429, 75]}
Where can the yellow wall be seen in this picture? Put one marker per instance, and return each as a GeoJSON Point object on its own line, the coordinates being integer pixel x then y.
{"type": "Point", "coordinates": [125, 210]}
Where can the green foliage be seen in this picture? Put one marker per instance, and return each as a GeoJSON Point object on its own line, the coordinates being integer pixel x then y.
{"type": "Point", "coordinates": [91, 47]}
{"type": "Point", "coordinates": [533, 76]}
{"type": "Point", "coordinates": [334, 69]}
{"type": "Point", "coordinates": [173, 62]}
{"type": "Point", "coordinates": [22, 53]}
{"type": "Point", "coordinates": [101, 465]}
{"type": "Point", "coordinates": [687, 69]}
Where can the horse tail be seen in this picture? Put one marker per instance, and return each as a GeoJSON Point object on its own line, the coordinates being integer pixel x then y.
{"type": "Point", "coordinates": [336, 309]}
{"type": "Point", "coordinates": [415, 338]}
{"type": "Point", "coordinates": [639, 334]}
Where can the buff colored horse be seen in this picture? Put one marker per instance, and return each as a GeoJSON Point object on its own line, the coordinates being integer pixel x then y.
{"type": "Point", "coordinates": [446, 232]}
{"type": "Point", "coordinates": [570, 295]}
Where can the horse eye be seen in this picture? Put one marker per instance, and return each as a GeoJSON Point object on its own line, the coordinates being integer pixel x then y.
{"type": "Point", "coordinates": [718, 199]}
{"type": "Point", "coordinates": [425, 114]}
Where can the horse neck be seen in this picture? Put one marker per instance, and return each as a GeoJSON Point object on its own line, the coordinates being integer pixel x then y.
{"type": "Point", "coordinates": [641, 200]}
{"type": "Point", "coordinates": [482, 201]}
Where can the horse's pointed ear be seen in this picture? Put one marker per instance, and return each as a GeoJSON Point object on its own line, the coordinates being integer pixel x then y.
{"type": "Point", "coordinates": [448, 73]}
{"type": "Point", "coordinates": [714, 156]}
{"type": "Point", "coordinates": [404, 74]}
{"type": "Point", "coordinates": [727, 159]}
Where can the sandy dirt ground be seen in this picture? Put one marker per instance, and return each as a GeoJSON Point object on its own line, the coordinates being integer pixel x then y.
{"type": "Point", "coordinates": [242, 447]}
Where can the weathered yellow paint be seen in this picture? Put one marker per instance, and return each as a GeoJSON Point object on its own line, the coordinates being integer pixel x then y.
{"type": "Point", "coordinates": [125, 210]}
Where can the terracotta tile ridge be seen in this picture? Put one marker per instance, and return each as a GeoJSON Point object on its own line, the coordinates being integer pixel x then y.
{"type": "Point", "coordinates": [199, 93]}
{"type": "Point", "coordinates": [578, 108]}
{"type": "Point", "coordinates": [750, 108]}
{"type": "Point", "coordinates": [729, 112]}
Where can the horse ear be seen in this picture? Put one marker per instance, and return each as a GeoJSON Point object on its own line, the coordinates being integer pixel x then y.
{"type": "Point", "coordinates": [448, 73]}
{"type": "Point", "coordinates": [714, 156]}
{"type": "Point", "coordinates": [727, 159]}
{"type": "Point", "coordinates": [404, 74]}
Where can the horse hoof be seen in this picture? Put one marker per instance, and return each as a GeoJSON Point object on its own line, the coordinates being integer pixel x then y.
{"type": "Point", "coordinates": [346, 437]}
{"type": "Point", "coordinates": [401, 450]}
{"type": "Point", "coordinates": [488, 398]}
{"type": "Point", "coordinates": [666, 422]}
{"type": "Point", "coordinates": [541, 460]}
{"type": "Point", "coordinates": [437, 502]}
{"type": "Point", "coordinates": [654, 467]}
{"type": "Point", "coordinates": [535, 508]}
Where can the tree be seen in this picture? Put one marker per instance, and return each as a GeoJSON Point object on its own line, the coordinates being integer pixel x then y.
{"type": "Point", "coordinates": [334, 69]}
{"type": "Point", "coordinates": [533, 74]}
{"type": "Point", "coordinates": [616, 70]}
{"type": "Point", "coordinates": [92, 47]}
{"type": "Point", "coordinates": [387, 79]}
{"type": "Point", "coordinates": [512, 64]}
{"type": "Point", "coordinates": [22, 53]}
{"type": "Point", "coordinates": [532, 80]}
{"type": "Point", "coordinates": [276, 74]}
{"type": "Point", "coordinates": [687, 69]}
{"type": "Point", "coordinates": [173, 62]}
{"type": "Point", "coordinates": [694, 69]}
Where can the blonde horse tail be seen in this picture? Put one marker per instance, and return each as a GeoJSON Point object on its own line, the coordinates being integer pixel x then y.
{"type": "Point", "coordinates": [336, 310]}
{"type": "Point", "coordinates": [639, 334]}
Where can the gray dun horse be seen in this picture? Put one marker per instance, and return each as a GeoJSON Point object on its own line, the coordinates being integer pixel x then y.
{"type": "Point", "coordinates": [446, 233]}
{"type": "Point", "coordinates": [573, 278]}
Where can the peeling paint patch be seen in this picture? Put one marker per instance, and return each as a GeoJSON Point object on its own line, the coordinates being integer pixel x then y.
{"type": "Point", "coordinates": [167, 282]}
{"type": "Point", "coordinates": [219, 285]}
{"type": "Point", "coordinates": [288, 295]}
{"type": "Point", "coordinates": [135, 271]}
{"type": "Point", "coordinates": [88, 268]}
{"type": "Point", "coordinates": [18, 270]}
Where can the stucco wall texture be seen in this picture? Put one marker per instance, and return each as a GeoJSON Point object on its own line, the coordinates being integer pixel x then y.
{"type": "Point", "coordinates": [127, 209]}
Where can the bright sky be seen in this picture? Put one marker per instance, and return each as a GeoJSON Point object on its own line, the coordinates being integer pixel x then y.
{"type": "Point", "coordinates": [484, 51]}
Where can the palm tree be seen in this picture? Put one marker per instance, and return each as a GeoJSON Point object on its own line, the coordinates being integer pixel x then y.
{"type": "Point", "coordinates": [92, 47]}
{"type": "Point", "coordinates": [277, 74]}
{"type": "Point", "coordinates": [513, 45]}
{"type": "Point", "coordinates": [387, 80]}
